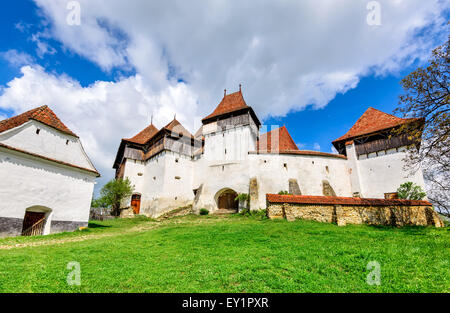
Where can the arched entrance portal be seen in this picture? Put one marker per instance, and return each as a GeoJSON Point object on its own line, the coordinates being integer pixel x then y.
{"type": "Point", "coordinates": [35, 221]}
{"type": "Point", "coordinates": [226, 200]}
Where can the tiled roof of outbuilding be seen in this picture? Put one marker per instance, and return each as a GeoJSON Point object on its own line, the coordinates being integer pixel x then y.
{"type": "Point", "coordinates": [42, 114]}
{"type": "Point", "coordinates": [341, 200]}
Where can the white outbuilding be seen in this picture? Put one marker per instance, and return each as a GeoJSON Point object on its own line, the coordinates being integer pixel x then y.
{"type": "Point", "coordinates": [46, 177]}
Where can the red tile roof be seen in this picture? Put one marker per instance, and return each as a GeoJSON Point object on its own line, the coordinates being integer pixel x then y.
{"type": "Point", "coordinates": [302, 152]}
{"type": "Point", "coordinates": [371, 121]}
{"type": "Point", "coordinates": [230, 103]}
{"type": "Point", "coordinates": [177, 128]}
{"type": "Point", "coordinates": [277, 140]}
{"type": "Point", "coordinates": [144, 136]}
{"type": "Point", "coordinates": [42, 114]}
{"type": "Point", "coordinates": [49, 159]}
{"type": "Point", "coordinates": [342, 200]}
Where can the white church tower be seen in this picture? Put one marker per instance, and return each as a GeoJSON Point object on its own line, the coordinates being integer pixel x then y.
{"type": "Point", "coordinates": [231, 131]}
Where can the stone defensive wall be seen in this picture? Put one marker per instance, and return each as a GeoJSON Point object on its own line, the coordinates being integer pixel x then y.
{"type": "Point", "coordinates": [345, 210]}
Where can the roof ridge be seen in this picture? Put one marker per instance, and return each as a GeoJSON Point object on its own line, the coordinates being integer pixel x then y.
{"type": "Point", "coordinates": [51, 120]}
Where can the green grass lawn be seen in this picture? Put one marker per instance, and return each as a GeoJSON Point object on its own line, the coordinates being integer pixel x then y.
{"type": "Point", "coordinates": [228, 254]}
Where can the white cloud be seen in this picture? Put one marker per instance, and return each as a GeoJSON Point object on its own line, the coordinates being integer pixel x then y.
{"type": "Point", "coordinates": [287, 55]}
{"type": "Point", "coordinates": [102, 113]}
{"type": "Point", "coordinates": [17, 58]}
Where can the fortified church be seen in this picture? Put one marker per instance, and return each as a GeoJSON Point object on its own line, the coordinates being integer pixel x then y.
{"type": "Point", "coordinates": [230, 155]}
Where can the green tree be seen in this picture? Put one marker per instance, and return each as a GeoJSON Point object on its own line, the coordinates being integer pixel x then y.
{"type": "Point", "coordinates": [112, 194]}
{"type": "Point", "coordinates": [410, 191]}
{"type": "Point", "coordinates": [426, 97]}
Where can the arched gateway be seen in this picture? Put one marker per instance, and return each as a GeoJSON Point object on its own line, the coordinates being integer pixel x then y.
{"type": "Point", "coordinates": [226, 199]}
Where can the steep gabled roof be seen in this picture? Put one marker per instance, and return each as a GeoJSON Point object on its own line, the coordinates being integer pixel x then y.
{"type": "Point", "coordinates": [371, 121]}
{"type": "Point", "coordinates": [176, 127]}
{"type": "Point", "coordinates": [277, 140]}
{"type": "Point", "coordinates": [230, 103]}
{"type": "Point", "coordinates": [42, 114]}
{"type": "Point", "coordinates": [144, 136]}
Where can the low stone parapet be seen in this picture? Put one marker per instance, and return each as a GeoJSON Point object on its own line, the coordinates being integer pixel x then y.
{"type": "Point", "coordinates": [346, 210]}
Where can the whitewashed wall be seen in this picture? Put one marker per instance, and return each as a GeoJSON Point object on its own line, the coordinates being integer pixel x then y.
{"type": "Point", "coordinates": [309, 171]}
{"type": "Point", "coordinates": [29, 181]}
{"type": "Point", "coordinates": [385, 173]}
{"type": "Point", "coordinates": [49, 142]}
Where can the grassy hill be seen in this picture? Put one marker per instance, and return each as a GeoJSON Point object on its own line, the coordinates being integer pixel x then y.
{"type": "Point", "coordinates": [228, 254]}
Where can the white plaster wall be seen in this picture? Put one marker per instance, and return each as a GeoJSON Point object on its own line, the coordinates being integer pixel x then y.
{"type": "Point", "coordinates": [28, 181]}
{"type": "Point", "coordinates": [237, 142]}
{"type": "Point", "coordinates": [309, 171]}
{"type": "Point", "coordinates": [354, 172]}
{"type": "Point", "coordinates": [384, 173]}
{"type": "Point", "coordinates": [49, 142]}
{"type": "Point", "coordinates": [132, 171]}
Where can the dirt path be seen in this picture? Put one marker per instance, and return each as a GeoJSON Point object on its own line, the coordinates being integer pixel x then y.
{"type": "Point", "coordinates": [136, 229]}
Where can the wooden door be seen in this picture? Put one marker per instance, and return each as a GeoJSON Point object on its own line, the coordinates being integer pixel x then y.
{"type": "Point", "coordinates": [32, 219]}
{"type": "Point", "coordinates": [227, 201]}
{"type": "Point", "coordinates": [136, 203]}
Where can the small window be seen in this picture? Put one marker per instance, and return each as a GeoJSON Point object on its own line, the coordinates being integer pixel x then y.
{"type": "Point", "coordinates": [67, 142]}
{"type": "Point", "coordinates": [223, 168]}
{"type": "Point", "coordinates": [225, 151]}
{"type": "Point", "coordinates": [177, 177]}
{"type": "Point", "coordinates": [312, 162]}
{"type": "Point", "coordinates": [285, 165]}
{"type": "Point", "coordinates": [327, 169]}
{"type": "Point", "coordinates": [38, 131]}
{"type": "Point", "coordinates": [176, 160]}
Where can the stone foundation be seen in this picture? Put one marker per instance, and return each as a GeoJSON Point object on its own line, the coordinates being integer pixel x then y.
{"type": "Point", "coordinates": [343, 211]}
{"type": "Point", "coordinates": [10, 227]}
{"type": "Point", "coordinates": [66, 226]}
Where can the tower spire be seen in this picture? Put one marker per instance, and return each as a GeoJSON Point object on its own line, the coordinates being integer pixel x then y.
{"type": "Point", "coordinates": [224, 92]}
{"type": "Point", "coordinates": [240, 87]}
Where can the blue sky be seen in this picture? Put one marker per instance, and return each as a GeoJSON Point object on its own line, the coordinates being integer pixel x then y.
{"type": "Point", "coordinates": [317, 77]}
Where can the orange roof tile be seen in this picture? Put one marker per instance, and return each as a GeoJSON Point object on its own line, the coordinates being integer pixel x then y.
{"type": "Point", "coordinates": [372, 121]}
{"type": "Point", "coordinates": [42, 114]}
{"type": "Point", "coordinates": [176, 127]}
{"type": "Point", "coordinates": [341, 200]}
{"type": "Point", "coordinates": [302, 152]}
{"type": "Point", "coordinates": [277, 140]}
{"type": "Point", "coordinates": [144, 136]}
{"type": "Point", "coordinates": [230, 103]}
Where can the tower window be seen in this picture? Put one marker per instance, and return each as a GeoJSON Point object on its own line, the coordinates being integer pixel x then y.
{"type": "Point", "coordinates": [67, 142]}
{"type": "Point", "coordinates": [38, 131]}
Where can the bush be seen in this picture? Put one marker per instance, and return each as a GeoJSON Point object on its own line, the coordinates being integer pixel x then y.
{"type": "Point", "coordinates": [242, 197]}
{"type": "Point", "coordinates": [410, 191]}
{"type": "Point", "coordinates": [259, 214]}
{"type": "Point", "coordinates": [284, 192]}
{"type": "Point", "coordinates": [204, 212]}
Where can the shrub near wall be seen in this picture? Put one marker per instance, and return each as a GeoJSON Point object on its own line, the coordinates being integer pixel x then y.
{"type": "Point", "coordinates": [342, 210]}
